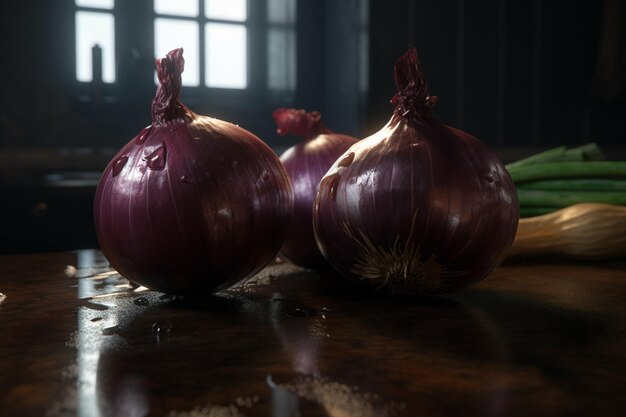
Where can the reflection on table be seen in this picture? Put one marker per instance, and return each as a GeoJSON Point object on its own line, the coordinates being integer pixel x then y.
{"type": "Point", "coordinates": [535, 338]}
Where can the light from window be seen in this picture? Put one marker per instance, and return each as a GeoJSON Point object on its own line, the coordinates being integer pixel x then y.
{"type": "Point", "coordinates": [222, 62]}
{"type": "Point", "coordinates": [226, 55]}
{"type": "Point", "coordinates": [96, 4]}
{"type": "Point", "coordinates": [281, 46]}
{"type": "Point", "coordinates": [233, 10]}
{"type": "Point", "coordinates": [177, 7]}
{"type": "Point", "coordinates": [176, 33]}
{"type": "Point", "coordinates": [94, 28]}
{"type": "Point", "coordinates": [281, 59]}
{"type": "Point", "coordinates": [281, 12]}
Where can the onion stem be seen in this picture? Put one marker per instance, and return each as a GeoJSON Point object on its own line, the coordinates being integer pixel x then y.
{"type": "Point", "coordinates": [165, 104]}
{"type": "Point", "coordinates": [299, 122]}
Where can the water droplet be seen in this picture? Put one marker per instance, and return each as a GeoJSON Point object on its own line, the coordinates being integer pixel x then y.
{"type": "Point", "coordinates": [186, 179]}
{"type": "Point", "coordinates": [141, 301]}
{"type": "Point", "coordinates": [70, 271]}
{"type": "Point", "coordinates": [326, 309]}
{"type": "Point", "coordinates": [234, 165]}
{"type": "Point", "coordinates": [299, 312]}
{"type": "Point", "coordinates": [96, 319]}
{"type": "Point", "coordinates": [119, 165]}
{"type": "Point", "coordinates": [109, 331]}
{"type": "Point", "coordinates": [156, 160]}
{"type": "Point", "coordinates": [143, 135]}
{"type": "Point", "coordinates": [346, 160]}
{"type": "Point", "coordinates": [265, 175]}
{"type": "Point", "coordinates": [277, 297]}
{"type": "Point", "coordinates": [490, 179]}
{"type": "Point", "coordinates": [162, 327]}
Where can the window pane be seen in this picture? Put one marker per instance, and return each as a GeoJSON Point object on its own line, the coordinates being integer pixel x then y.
{"type": "Point", "coordinates": [226, 55]}
{"type": "Point", "coordinates": [99, 4]}
{"type": "Point", "coordinates": [281, 60]}
{"type": "Point", "coordinates": [226, 9]}
{"type": "Point", "coordinates": [281, 11]}
{"type": "Point", "coordinates": [175, 33]}
{"type": "Point", "coordinates": [95, 28]}
{"type": "Point", "coordinates": [177, 7]}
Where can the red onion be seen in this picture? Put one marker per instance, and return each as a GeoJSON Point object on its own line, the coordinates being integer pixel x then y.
{"type": "Point", "coordinates": [192, 203]}
{"type": "Point", "coordinates": [419, 207]}
{"type": "Point", "coordinates": [306, 163]}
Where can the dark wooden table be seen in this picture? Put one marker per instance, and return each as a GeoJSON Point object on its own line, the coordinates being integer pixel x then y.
{"type": "Point", "coordinates": [537, 338]}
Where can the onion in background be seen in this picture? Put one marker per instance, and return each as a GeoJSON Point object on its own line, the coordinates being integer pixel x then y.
{"type": "Point", "coordinates": [192, 203]}
{"type": "Point", "coordinates": [306, 163]}
{"type": "Point", "coordinates": [419, 207]}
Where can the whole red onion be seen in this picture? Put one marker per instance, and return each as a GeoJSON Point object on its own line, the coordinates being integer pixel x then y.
{"type": "Point", "coordinates": [306, 163]}
{"type": "Point", "coordinates": [192, 203]}
{"type": "Point", "coordinates": [419, 207]}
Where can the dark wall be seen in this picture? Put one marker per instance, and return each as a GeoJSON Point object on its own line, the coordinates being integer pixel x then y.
{"type": "Point", "coordinates": [42, 105]}
{"type": "Point", "coordinates": [514, 73]}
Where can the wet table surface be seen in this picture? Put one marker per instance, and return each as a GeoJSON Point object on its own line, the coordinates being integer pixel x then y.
{"type": "Point", "coordinates": [540, 338]}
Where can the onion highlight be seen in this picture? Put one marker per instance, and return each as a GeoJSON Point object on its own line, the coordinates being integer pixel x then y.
{"type": "Point", "coordinates": [192, 203]}
{"type": "Point", "coordinates": [306, 163]}
{"type": "Point", "coordinates": [419, 207]}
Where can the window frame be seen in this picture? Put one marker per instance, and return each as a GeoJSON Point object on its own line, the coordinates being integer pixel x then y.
{"type": "Point", "coordinates": [90, 91]}
{"type": "Point", "coordinates": [201, 20]}
{"type": "Point", "coordinates": [257, 91]}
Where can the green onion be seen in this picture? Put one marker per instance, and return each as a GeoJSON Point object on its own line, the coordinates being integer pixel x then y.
{"type": "Point", "coordinates": [562, 177]}
{"type": "Point", "coordinates": [540, 198]}
{"type": "Point", "coordinates": [554, 170]}
{"type": "Point", "coordinates": [535, 211]}
{"type": "Point", "coordinates": [584, 184]}
{"type": "Point", "coordinates": [588, 152]}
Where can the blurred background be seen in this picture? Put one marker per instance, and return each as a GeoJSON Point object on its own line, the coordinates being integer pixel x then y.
{"type": "Point", "coordinates": [77, 79]}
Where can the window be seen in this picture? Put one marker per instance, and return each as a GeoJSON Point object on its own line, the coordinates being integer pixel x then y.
{"type": "Point", "coordinates": [239, 47]}
{"type": "Point", "coordinates": [95, 40]}
{"type": "Point", "coordinates": [214, 35]}
{"type": "Point", "coordinates": [281, 45]}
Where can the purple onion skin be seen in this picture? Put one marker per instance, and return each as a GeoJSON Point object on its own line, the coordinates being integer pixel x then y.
{"type": "Point", "coordinates": [306, 163]}
{"type": "Point", "coordinates": [419, 207]}
{"type": "Point", "coordinates": [192, 204]}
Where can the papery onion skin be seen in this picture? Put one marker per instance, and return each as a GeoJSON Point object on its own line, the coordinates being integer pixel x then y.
{"type": "Point", "coordinates": [419, 207]}
{"type": "Point", "coordinates": [306, 164]}
{"type": "Point", "coordinates": [191, 204]}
